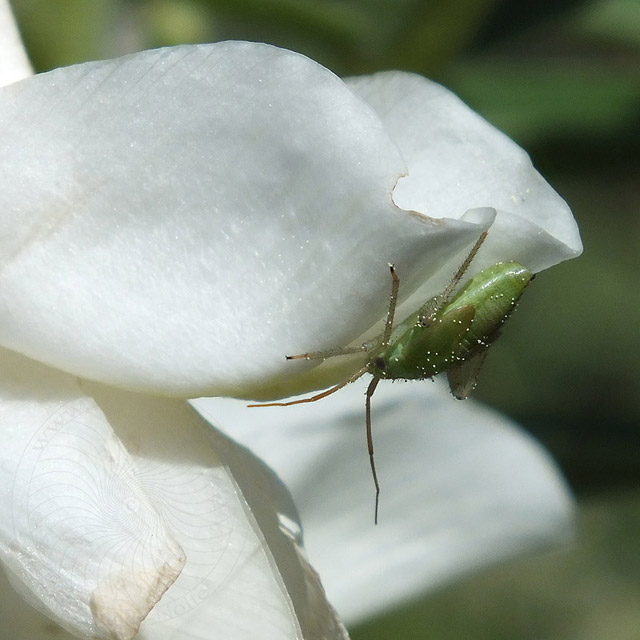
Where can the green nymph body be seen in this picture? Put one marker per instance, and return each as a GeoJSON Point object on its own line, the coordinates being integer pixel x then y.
{"type": "Point", "coordinates": [459, 331]}
{"type": "Point", "coordinates": [450, 333]}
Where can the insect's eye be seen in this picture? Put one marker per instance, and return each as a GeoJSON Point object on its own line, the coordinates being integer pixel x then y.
{"type": "Point", "coordinates": [380, 363]}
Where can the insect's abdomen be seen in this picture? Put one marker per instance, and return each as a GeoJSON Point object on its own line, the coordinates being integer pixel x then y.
{"type": "Point", "coordinates": [493, 293]}
{"type": "Point", "coordinates": [464, 327]}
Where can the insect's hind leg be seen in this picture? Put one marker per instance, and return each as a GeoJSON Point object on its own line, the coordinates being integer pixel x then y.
{"type": "Point", "coordinates": [318, 396]}
{"type": "Point", "coordinates": [370, 390]}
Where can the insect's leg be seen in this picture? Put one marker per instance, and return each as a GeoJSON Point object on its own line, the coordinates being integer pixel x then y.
{"type": "Point", "coordinates": [327, 353]}
{"type": "Point", "coordinates": [393, 300]}
{"type": "Point", "coordinates": [465, 265]}
{"type": "Point", "coordinates": [319, 396]}
{"type": "Point", "coordinates": [370, 389]}
{"type": "Point", "coordinates": [384, 339]}
{"type": "Point", "coordinates": [431, 307]}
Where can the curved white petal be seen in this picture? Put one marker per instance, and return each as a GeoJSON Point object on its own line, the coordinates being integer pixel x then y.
{"type": "Point", "coordinates": [180, 219]}
{"type": "Point", "coordinates": [246, 575]}
{"type": "Point", "coordinates": [457, 161]}
{"type": "Point", "coordinates": [462, 488]}
{"type": "Point", "coordinates": [79, 537]}
{"type": "Point", "coordinates": [93, 533]}
{"type": "Point", "coordinates": [14, 64]}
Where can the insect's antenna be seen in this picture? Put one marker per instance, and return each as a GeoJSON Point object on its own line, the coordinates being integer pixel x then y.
{"type": "Point", "coordinates": [319, 396]}
{"type": "Point", "coordinates": [370, 389]}
{"type": "Point", "coordinates": [428, 311]}
{"type": "Point", "coordinates": [327, 353]}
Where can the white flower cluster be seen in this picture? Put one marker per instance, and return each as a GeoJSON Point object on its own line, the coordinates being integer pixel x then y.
{"type": "Point", "coordinates": [173, 223]}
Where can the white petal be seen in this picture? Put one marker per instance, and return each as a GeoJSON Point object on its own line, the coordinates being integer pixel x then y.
{"type": "Point", "coordinates": [458, 161]}
{"type": "Point", "coordinates": [246, 575]}
{"type": "Point", "coordinates": [462, 488]}
{"type": "Point", "coordinates": [93, 536]}
{"type": "Point", "coordinates": [79, 537]}
{"type": "Point", "coordinates": [180, 219]}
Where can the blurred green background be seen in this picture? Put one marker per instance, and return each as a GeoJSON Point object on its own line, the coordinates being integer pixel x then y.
{"type": "Point", "coordinates": [563, 79]}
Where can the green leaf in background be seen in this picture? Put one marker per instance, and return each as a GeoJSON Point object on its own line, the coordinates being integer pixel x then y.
{"type": "Point", "coordinates": [612, 21]}
{"type": "Point", "coordinates": [66, 31]}
{"type": "Point", "coordinates": [536, 100]}
{"type": "Point", "coordinates": [168, 22]}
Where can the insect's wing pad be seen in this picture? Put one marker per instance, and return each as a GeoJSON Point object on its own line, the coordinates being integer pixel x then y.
{"type": "Point", "coordinates": [463, 376]}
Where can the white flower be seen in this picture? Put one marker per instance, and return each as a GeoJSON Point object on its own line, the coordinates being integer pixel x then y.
{"type": "Point", "coordinates": [173, 223]}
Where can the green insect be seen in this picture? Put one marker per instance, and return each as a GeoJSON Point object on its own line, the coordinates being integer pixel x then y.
{"type": "Point", "coordinates": [449, 333]}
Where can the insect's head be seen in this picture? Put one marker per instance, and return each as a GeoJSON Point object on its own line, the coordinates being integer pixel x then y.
{"type": "Point", "coordinates": [378, 367]}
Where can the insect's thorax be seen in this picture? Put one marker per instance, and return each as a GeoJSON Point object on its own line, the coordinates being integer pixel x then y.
{"type": "Point", "coordinates": [466, 325]}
